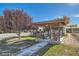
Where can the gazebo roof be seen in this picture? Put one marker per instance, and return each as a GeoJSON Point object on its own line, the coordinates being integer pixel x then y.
{"type": "Point", "coordinates": [55, 22]}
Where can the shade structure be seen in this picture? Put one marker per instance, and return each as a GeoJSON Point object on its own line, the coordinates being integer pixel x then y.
{"type": "Point", "coordinates": [59, 22]}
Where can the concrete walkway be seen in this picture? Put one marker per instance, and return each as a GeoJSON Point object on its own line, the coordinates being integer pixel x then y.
{"type": "Point", "coordinates": [31, 50]}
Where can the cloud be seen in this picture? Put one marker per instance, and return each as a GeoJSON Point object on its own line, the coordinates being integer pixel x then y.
{"type": "Point", "coordinates": [46, 19]}
{"type": "Point", "coordinates": [73, 4]}
{"type": "Point", "coordinates": [58, 17]}
{"type": "Point", "coordinates": [77, 15]}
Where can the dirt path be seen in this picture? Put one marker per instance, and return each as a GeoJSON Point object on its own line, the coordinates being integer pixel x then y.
{"type": "Point", "coordinates": [71, 39]}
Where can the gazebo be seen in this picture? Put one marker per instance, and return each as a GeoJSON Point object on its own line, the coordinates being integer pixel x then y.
{"type": "Point", "coordinates": [54, 25]}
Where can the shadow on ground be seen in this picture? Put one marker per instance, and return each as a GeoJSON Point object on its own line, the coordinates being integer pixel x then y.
{"type": "Point", "coordinates": [12, 49]}
{"type": "Point", "coordinates": [43, 50]}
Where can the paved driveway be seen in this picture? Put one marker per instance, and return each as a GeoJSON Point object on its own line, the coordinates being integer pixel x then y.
{"type": "Point", "coordinates": [9, 35]}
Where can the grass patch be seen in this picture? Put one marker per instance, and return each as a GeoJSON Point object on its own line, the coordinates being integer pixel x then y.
{"type": "Point", "coordinates": [28, 38]}
{"type": "Point", "coordinates": [25, 41]}
{"type": "Point", "coordinates": [23, 38]}
{"type": "Point", "coordinates": [62, 50]}
{"type": "Point", "coordinates": [58, 50]}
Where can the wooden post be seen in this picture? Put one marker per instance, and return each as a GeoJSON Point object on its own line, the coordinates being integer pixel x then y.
{"type": "Point", "coordinates": [51, 39]}
{"type": "Point", "coordinates": [64, 29]}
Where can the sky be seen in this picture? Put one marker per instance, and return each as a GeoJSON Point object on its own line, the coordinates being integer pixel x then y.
{"type": "Point", "coordinates": [46, 11]}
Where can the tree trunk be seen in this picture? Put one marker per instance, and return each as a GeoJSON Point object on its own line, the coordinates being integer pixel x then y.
{"type": "Point", "coordinates": [19, 35]}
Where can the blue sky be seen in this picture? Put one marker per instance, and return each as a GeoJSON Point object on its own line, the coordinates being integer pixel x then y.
{"type": "Point", "coordinates": [46, 11]}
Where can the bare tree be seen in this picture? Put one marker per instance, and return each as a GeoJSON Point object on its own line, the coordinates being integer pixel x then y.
{"type": "Point", "coordinates": [7, 20]}
{"type": "Point", "coordinates": [16, 20]}
{"type": "Point", "coordinates": [1, 24]}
